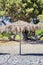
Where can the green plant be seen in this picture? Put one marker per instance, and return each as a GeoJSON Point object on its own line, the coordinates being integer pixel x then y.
{"type": "Point", "coordinates": [39, 32]}
{"type": "Point", "coordinates": [5, 35]}
{"type": "Point", "coordinates": [18, 37]}
{"type": "Point", "coordinates": [1, 35]}
{"type": "Point", "coordinates": [29, 34]}
{"type": "Point", "coordinates": [21, 9]}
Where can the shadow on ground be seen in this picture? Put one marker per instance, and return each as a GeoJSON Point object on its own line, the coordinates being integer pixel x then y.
{"type": "Point", "coordinates": [32, 54]}
{"type": "Point", "coordinates": [33, 42]}
{"type": "Point", "coordinates": [4, 53]}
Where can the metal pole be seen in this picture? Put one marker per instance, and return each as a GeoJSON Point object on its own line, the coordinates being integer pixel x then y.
{"type": "Point", "coordinates": [20, 41]}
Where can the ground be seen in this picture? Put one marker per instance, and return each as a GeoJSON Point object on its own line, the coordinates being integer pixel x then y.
{"type": "Point", "coordinates": [13, 47]}
{"type": "Point", "coordinates": [15, 59]}
{"type": "Point", "coordinates": [21, 60]}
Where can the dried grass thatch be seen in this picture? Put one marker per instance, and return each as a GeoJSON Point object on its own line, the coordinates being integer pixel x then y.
{"type": "Point", "coordinates": [17, 25]}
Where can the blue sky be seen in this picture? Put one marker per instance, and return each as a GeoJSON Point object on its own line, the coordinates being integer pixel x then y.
{"type": "Point", "coordinates": [6, 20]}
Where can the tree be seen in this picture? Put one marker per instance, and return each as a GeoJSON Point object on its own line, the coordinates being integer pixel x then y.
{"type": "Point", "coordinates": [21, 9]}
{"type": "Point", "coordinates": [31, 9]}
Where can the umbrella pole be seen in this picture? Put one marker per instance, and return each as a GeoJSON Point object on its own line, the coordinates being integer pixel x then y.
{"type": "Point", "coordinates": [20, 41]}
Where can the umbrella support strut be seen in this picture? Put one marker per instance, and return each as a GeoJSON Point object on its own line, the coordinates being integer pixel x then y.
{"type": "Point", "coordinates": [20, 41]}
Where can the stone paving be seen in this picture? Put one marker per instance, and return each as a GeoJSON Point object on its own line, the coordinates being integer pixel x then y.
{"type": "Point", "coordinates": [21, 60]}
{"type": "Point", "coordinates": [15, 59]}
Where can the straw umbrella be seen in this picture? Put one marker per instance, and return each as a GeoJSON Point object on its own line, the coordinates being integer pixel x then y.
{"type": "Point", "coordinates": [21, 26]}
{"type": "Point", "coordinates": [18, 26]}
{"type": "Point", "coordinates": [15, 27]}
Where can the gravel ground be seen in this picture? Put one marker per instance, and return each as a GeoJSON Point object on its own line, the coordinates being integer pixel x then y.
{"type": "Point", "coordinates": [21, 60]}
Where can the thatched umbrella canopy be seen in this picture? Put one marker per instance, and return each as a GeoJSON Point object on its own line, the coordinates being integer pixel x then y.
{"type": "Point", "coordinates": [32, 27]}
{"type": "Point", "coordinates": [22, 25]}
{"type": "Point", "coordinates": [15, 27]}
{"type": "Point", "coordinates": [11, 28]}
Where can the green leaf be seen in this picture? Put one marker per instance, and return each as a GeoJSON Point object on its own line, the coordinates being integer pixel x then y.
{"type": "Point", "coordinates": [29, 10]}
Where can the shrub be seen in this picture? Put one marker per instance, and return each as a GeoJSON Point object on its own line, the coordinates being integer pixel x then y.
{"type": "Point", "coordinates": [18, 37]}
{"type": "Point", "coordinates": [5, 35]}
{"type": "Point", "coordinates": [39, 32]}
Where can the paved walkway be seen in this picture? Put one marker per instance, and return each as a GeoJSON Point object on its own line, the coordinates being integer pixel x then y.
{"type": "Point", "coordinates": [21, 60]}
{"type": "Point", "coordinates": [13, 48]}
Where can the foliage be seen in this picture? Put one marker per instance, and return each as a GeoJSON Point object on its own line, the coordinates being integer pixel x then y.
{"type": "Point", "coordinates": [19, 36]}
{"type": "Point", "coordinates": [21, 9]}
{"type": "Point", "coordinates": [1, 35]}
{"type": "Point", "coordinates": [41, 38]}
{"type": "Point", "coordinates": [39, 32]}
{"type": "Point", "coordinates": [5, 35]}
{"type": "Point", "coordinates": [29, 34]}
